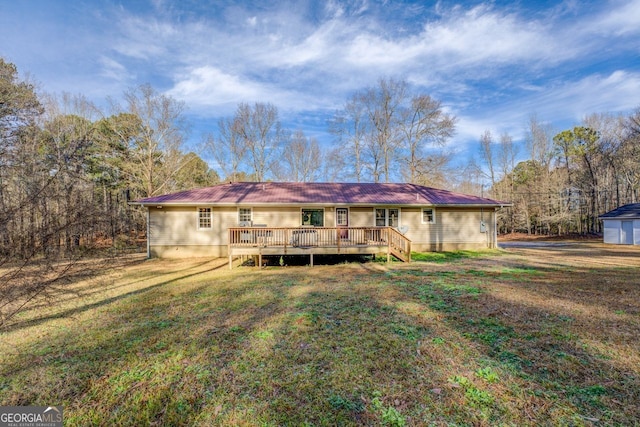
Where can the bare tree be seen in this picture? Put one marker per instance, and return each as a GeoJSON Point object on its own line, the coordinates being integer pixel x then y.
{"type": "Point", "coordinates": [539, 142]}
{"type": "Point", "coordinates": [350, 127]}
{"type": "Point", "coordinates": [424, 124]}
{"type": "Point", "coordinates": [46, 202]}
{"type": "Point", "coordinates": [383, 127]}
{"type": "Point", "coordinates": [506, 162]}
{"type": "Point", "coordinates": [383, 106]}
{"type": "Point", "coordinates": [301, 159]}
{"type": "Point", "coordinates": [488, 154]}
{"type": "Point", "coordinates": [629, 156]}
{"type": "Point", "coordinates": [229, 149]}
{"type": "Point", "coordinates": [156, 154]}
{"type": "Point", "coordinates": [261, 133]}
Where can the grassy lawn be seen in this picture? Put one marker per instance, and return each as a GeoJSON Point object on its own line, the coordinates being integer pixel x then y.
{"type": "Point", "coordinates": [497, 338]}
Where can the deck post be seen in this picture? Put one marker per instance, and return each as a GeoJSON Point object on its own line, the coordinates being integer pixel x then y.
{"type": "Point", "coordinates": [286, 240]}
{"type": "Point", "coordinates": [311, 258]}
{"type": "Point", "coordinates": [230, 261]}
{"type": "Point", "coordinates": [388, 252]}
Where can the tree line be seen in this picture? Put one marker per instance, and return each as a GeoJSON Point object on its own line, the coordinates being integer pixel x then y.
{"type": "Point", "coordinates": [570, 177]}
{"type": "Point", "coordinates": [67, 174]}
{"type": "Point", "coordinates": [68, 170]}
{"type": "Point", "coordinates": [384, 133]}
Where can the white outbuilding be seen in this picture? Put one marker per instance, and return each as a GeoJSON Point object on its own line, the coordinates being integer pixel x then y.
{"type": "Point", "coordinates": [622, 225]}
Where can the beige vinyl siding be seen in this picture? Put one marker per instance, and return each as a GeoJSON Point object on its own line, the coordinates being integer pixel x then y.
{"type": "Point", "coordinates": [288, 216]}
{"type": "Point", "coordinates": [361, 217]}
{"type": "Point", "coordinates": [277, 216]}
{"type": "Point", "coordinates": [174, 230]}
{"type": "Point", "coordinates": [330, 217]}
{"type": "Point", "coordinates": [189, 251]}
{"type": "Point", "coordinates": [454, 228]}
{"type": "Point", "coordinates": [179, 226]}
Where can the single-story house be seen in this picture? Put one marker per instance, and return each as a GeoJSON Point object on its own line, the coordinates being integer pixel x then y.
{"type": "Point", "coordinates": [622, 225]}
{"type": "Point", "coordinates": [279, 218]}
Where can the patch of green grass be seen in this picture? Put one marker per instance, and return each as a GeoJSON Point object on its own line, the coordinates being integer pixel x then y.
{"type": "Point", "coordinates": [489, 331]}
{"type": "Point", "coordinates": [349, 345]}
{"type": "Point", "coordinates": [590, 396]}
{"type": "Point", "coordinates": [460, 289]}
{"type": "Point", "coordinates": [409, 332]}
{"type": "Point", "coordinates": [442, 257]}
{"type": "Point", "coordinates": [488, 374]}
{"type": "Point", "coordinates": [519, 271]}
{"type": "Point", "coordinates": [477, 273]}
{"type": "Point", "coordinates": [389, 416]}
{"type": "Point", "coordinates": [476, 397]}
{"type": "Point", "coordinates": [338, 402]}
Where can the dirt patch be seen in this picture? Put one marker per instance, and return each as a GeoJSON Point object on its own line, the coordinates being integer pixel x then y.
{"type": "Point", "coordinates": [574, 237]}
{"type": "Point", "coordinates": [575, 254]}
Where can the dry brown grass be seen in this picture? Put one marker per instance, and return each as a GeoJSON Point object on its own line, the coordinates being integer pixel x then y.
{"type": "Point", "coordinates": [528, 336]}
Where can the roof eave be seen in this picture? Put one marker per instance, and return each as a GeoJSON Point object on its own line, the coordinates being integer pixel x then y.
{"type": "Point", "coordinates": [294, 204]}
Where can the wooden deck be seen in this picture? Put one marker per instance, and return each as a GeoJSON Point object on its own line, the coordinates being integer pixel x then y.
{"type": "Point", "coordinates": [259, 241]}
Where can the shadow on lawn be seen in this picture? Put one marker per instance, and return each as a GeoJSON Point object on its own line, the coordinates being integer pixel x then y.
{"type": "Point", "coordinates": [545, 346]}
{"type": "Point", "coordinates": [288, 347]}
{"type": "Point", "coordinates": [74, 311]}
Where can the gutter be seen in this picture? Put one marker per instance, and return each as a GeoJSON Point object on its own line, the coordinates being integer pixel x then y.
{"type": "Point", "coordinates": [323, 204]}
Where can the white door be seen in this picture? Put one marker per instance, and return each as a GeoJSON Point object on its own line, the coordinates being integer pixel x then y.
{"type": "Point", "coordinates": [626, 233]}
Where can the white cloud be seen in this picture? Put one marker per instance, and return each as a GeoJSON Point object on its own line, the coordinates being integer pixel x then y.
{"type": "Point", "coordinates": [618, 91]}
{"type": "Point", "coordinates": [114, 70]}
{"type": "Point", "coordinates": [210, 90]}
{"type": "Point", "coordinates": [564, 105]}
{"type": "Point", "coordinates": [208, 86]}
{"type": "Point", "coordinates": [145, 38]}
{"type": "Point", "coordinates": [622, 20]}
{"type": "Point", "coordinates": [492, 64]}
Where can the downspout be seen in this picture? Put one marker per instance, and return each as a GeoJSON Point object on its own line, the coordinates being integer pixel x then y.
{"type": "Point", "coordinates": [495, 228]}
{"type": "Point", "coordinates": [148, 234]}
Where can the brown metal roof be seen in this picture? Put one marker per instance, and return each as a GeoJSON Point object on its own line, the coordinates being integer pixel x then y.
{"type": "Point", "coordinates": [296, 193]}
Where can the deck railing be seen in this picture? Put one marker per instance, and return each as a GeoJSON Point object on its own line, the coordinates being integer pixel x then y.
{"type": "Point", "coordinates": [321, 237]}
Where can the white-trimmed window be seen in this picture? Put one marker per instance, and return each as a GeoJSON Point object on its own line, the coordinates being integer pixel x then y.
{"type": "Point", "coordinates": [313, 217]}
{"type": "Point", "coordinates": [387, 217]}
{"type": "Point", "coordinates": [245, 215]}
{"type": "Point", "coordinates": [428, 216]}
{"type": "Point", "coordinates": [204, 219]}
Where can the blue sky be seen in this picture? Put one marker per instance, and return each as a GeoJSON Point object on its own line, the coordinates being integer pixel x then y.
{"type": "Point", "coordinates": [492, 64]}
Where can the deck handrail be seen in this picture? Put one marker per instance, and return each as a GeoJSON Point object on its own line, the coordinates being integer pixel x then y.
{"type": "Point", "coordinates": [319, 237]}
{"type": "Point", "coordinates": [310, 240]}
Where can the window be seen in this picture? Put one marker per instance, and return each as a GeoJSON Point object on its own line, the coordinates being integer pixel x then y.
{"type": "Point", "coordinates": [204, 218]}
{"type": "Point", "coordinates": [342, 217]}
{"type": "Point", "coordinates": [428, 216]}
{"type": "Point", "coordinates": [244, 215]}
{"type": "Point", "coordinates": [393, 217]}
{"type": "Point", "coordinates": [313, 217]}
{"type": "Point", "coordinates": [381, 217]}
{"type": "Point", "coordinates": [387, 217]}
